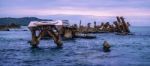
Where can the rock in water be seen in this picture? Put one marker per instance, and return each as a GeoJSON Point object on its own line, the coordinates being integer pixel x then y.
{"type": "Point", "coordinates": [106, 46]}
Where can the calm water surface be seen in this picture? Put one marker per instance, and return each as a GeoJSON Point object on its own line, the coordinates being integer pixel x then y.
{"type": "Point", "coordinates": [131, 50]}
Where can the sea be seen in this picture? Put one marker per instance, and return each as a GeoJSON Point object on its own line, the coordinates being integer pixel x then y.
{"type": "Point", "coordinates": [126, 50]}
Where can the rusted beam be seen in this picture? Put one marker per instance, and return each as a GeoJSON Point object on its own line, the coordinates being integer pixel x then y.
{"type": "Point", "coordinates": [34, 42]}
{"type": "Point", "coordinates": [56, 38]}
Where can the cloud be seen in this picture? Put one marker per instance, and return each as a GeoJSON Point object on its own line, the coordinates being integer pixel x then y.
{"type": "Point", "coordinates": [74, 3]}
{"type": "Point", "coordinates": [76, 7]}
{"type": "Point", "coordinates": [77, 11]}
{"type": "Point", "coordinates": [94, 8]}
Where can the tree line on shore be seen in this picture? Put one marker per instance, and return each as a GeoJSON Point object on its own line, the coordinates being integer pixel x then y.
{"type": "Point", "coordinates": [24, 21]}
{"type": "Point", "coordinates": [8, 22]}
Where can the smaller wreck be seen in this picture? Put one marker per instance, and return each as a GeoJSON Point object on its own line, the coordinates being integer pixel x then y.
{"type": "Point", "coordinates": [7, 27]}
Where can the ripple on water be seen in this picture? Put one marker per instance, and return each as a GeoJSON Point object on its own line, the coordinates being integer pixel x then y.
{"type": "Point", "coordinates": [131, 50]}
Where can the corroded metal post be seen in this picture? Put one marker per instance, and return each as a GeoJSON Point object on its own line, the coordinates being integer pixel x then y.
{"type": "Point", "coordinates": [80, 24]}
{"type": "Point", "coordinates": [94, 24]}
{"type": "Point", "coordinates": [34, 42]}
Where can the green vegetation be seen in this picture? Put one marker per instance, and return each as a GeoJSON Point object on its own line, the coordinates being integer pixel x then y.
{"type": "Point", "coordinates": [19, 21]}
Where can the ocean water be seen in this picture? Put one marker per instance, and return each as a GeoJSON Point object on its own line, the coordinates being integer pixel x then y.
{"type": "Point", "coordinates": [130, 50]}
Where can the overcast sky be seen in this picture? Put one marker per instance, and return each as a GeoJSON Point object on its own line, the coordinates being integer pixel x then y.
{"type": "Point", "coordinates": [20, 8]}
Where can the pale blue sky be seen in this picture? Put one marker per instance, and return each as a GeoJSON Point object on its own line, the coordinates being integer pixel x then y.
{"type": "Point", "coordinates": [136, 11]}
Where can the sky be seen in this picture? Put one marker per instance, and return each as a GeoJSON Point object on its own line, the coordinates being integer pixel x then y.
{"type": "Point", "coordinates": [136, 11]}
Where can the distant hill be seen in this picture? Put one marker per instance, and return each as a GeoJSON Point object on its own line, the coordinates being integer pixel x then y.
{"type": "Point", "coordinates": [20, 21]}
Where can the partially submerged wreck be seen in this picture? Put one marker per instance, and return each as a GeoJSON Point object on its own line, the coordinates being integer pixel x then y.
{"type": "Point", "coordinates": [61, 29]}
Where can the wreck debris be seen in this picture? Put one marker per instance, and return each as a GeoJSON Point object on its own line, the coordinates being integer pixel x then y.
{"type": "Point", "coordinates": [106, 46]}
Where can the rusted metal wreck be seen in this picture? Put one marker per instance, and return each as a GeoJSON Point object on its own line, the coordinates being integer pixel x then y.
{"type": "Point", "coordinates": [59, 29]}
